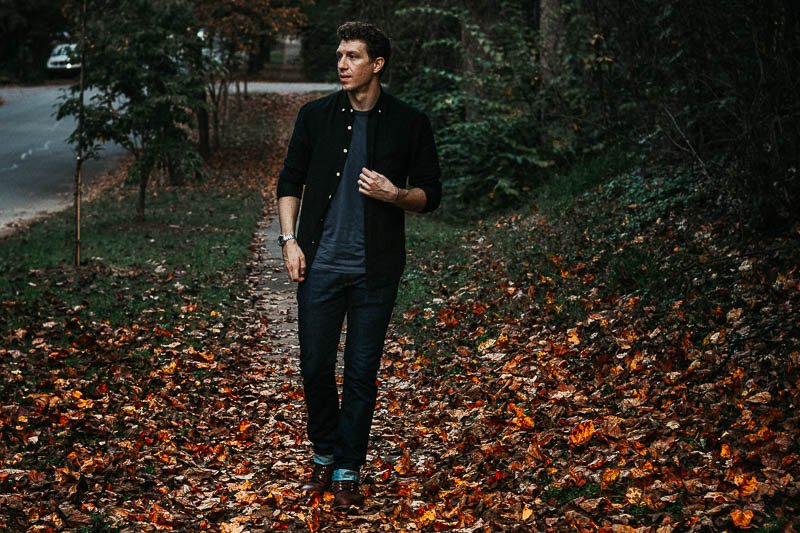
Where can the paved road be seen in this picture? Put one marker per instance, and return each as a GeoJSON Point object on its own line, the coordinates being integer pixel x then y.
{"type": "Point", "coordinates": [37, 165]}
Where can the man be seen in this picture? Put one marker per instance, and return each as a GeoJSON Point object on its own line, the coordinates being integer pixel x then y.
{"type": "Point", "coordinates": [359, 159]}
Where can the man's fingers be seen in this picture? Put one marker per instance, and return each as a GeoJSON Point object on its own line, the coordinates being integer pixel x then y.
{"type": "Point", "coordinates": [373, 183]}
{"type": "Point", "coordinates": [295, 265]}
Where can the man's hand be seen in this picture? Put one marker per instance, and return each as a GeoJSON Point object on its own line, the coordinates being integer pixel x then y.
{"type": "Point", "coordinates": [377, 186]}
{"type": "Point", "coordinates": [294, 260]}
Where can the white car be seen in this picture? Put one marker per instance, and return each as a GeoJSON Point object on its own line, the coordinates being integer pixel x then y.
{"type": "Point", "coordinates": [64, 59]}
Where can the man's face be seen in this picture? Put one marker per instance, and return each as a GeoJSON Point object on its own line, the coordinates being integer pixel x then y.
{"type": "Point", "coordinates": [356, 70]}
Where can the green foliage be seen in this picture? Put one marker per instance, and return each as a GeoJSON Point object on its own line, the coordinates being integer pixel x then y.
{"type": "Point", "coordinates": [715, 83]}
{"type": "Point", "coordinates": [518, 89]}
{"type": "Point", "coordinates": [483, 101]}
{"type": "Point", "coordinates": [143, 81]}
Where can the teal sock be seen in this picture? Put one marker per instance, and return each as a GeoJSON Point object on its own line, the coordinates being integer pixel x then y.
{"type": "Point", "coordinates": [322, 459]}
{"type": "Point", "coordinates": [343, 474]}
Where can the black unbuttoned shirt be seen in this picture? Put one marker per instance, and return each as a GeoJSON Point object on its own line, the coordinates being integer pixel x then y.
{"type": "Point", "coordinates": [400, 146]}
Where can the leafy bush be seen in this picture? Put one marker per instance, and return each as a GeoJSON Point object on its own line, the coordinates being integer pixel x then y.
{"type": "Point", "coordinates": [140, 66]}
{"type": "Point", "coordinates": [518, 87]}
{"type": "Point", "coordinates": [482, 97]}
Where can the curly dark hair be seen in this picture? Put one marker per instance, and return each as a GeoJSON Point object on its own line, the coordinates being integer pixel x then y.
{"type": "Point", "coordinates": [378, 44]}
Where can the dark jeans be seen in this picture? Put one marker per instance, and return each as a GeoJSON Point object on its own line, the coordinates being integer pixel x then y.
{"type": "Point", "coordinates": [324, 299]}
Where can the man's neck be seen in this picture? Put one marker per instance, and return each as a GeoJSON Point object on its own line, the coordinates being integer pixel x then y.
{"type": "Point", "coordinates": [365, 98]}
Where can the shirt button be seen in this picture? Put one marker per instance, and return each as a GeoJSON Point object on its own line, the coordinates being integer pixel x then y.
{"type": "Point", "coordinates": [338, 174]}
{"type": "Point", "coordinates": [329, 197]}
{"type": "Point", "coordinates": [349, 127]}
{"type": "Point", "coordinates": [380, 111]}
{"type": "Point", "coordinates": [342, 109]}
{"type": "Point", "coordinates": [345, 150]}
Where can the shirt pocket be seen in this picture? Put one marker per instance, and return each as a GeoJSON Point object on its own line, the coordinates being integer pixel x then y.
{"type": "Point", "coordinates": [392, 162]}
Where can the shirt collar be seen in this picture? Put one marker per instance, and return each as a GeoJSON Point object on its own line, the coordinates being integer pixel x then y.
{"type": "Point", "coordinates": [344, 106]}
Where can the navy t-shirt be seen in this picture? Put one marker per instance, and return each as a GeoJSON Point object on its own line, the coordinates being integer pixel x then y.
{"type": "Point", "coordinates": [341, 248]}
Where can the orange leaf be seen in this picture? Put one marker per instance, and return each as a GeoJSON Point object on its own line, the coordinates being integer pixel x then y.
{"type": "Point", "coordinates": [527, 512]}
{"type": "Point", "coordinates": [170, 368]}
{"type": "Point", "coordinates": [725, 452]}
{"type": "Point", "coordinates": [582, 433]}
{"type": "Point", "coordinates": [447, 318]}
{"type": "Point", "coordinates": [609, 476]}
{"type": "Point", "coordinates": [741, 517]}
{"type": "Point", "coordinates": [748, 485]}
{"type": "Point", "coordinates": [428, 516]}
{"type": "Point", "coordinates": [85, 404]}
{"type": "Point", "coordinates": [405, 464]}
{"type": "Point", "coordinates": [572, 337]}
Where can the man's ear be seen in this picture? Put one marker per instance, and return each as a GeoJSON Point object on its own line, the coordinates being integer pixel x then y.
{"type": "Point", "coordinates": [377, 65]}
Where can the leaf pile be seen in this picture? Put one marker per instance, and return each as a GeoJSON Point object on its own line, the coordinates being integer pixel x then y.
{"type": "Point", "coordinates": [616, 364]}
{"type": "Point", "coordinates": [624, 365]}
{"type": "Point", "coordinates": [119, 387]}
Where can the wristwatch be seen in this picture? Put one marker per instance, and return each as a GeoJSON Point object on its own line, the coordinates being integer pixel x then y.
{"type": "Point", "coordinates": [283, 239]}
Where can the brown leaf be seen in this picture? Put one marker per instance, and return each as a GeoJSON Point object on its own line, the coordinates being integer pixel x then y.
{"type": "Point", "coordinates": [741, 517]}
{"type": "Point", "coordinates": [761, 397]}
{"type": "Point", "coordinates": [582, 433]}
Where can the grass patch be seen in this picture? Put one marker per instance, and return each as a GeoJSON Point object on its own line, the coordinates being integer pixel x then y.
{"type": "Point", "coordinates": [563, 494]}
{"type": "Point", "coordinates": [434, 249]}
{"type": "Point", "coordinates": [191, 248]}
{"type": "Point", "coordinates": [561, 190]}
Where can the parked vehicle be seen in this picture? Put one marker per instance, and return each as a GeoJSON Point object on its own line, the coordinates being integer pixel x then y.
{"type": "Point", "coordinates": [64, 59]}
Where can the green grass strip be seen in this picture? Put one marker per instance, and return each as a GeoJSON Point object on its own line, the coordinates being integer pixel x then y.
{"type": "Point", "coordinates": [192, 247]}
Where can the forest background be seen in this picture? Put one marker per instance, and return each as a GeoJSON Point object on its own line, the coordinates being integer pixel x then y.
{"type": "Point", "coordinates": [520, 89]}
{"type": "Point", "coordinates": [610, 288]}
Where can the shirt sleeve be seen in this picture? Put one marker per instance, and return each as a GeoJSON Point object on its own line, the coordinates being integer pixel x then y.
{"type": "Point", "coordinates": [292, 177]}
{"type": "Point", "coordinates": [424, 170]}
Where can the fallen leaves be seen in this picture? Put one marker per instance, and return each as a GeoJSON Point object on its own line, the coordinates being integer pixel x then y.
{"type": "Point", "coordinates": [539, 402]}
{"type": "Point", "coordinates": [637, 411]}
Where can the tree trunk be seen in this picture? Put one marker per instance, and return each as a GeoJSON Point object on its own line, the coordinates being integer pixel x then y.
{"type": "Point", "coordinates": [225, 116]}
{"type": "Point", "coordinates": [216, 95]}
{"type": "Point", "coordinates": [203, 137]}
{"type": "Point", "coordinates": [238, 96]}
{"type": "Point", "coordinates": [143, 179]}
{"type": "Point", "coordinates": [204, 146]}
{"type": "Point", "coordinates": [551, 28]}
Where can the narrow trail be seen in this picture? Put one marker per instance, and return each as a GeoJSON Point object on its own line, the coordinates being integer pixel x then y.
{"type": "Point", "coordinates": [411, 428]}
{"type": "Point", "coordinates": [270, 381]}
{"type": "Point", "coordinates": [410, 455]}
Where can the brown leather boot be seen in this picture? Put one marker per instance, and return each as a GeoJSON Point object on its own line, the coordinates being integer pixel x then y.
{"type": "Point", "coordinates": [320, 479]}
{"type": "Point", "coordinates": [345, 494]}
